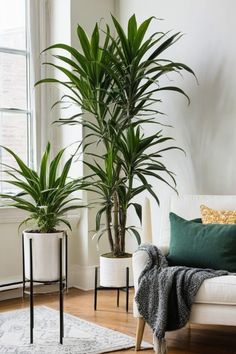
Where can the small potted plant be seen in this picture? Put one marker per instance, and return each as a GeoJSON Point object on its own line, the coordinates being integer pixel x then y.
{"type": "Point", "coordinates": [47, 196]}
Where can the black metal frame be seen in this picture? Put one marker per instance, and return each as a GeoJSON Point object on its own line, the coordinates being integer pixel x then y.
{"type": "Point", "coordinates": [124, 288]}
{"type": "Point", "coordinates": [62, 281]}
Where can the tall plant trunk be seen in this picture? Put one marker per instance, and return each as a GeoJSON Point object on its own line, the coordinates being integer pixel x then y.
{"type": "Point", "coordinates": [123, 218]}
{"type": "Point", "coordinates": [108, 224]}
{"type": "Point", "coordinates": [116, 225]}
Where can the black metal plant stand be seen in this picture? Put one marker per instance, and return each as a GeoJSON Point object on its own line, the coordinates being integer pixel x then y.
{"type": "Point", "coordinates": [125, 288]}
{"type": "Point", "coordinates": [62, 281]}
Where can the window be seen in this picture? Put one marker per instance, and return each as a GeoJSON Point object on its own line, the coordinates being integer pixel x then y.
{"type": "Point", "coordinates": [16, 119]}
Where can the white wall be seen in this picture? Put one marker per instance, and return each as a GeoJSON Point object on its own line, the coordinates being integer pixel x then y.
{"type": "Point", "coordinates": [10, 246]}
{"type": "Point", "coordinates": [206, 129]}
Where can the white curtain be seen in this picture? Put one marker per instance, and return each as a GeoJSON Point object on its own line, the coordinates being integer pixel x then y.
{"type": "Point", "coordinates": [39, 38]}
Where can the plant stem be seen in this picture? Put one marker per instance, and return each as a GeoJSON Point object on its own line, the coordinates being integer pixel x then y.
{"type": "Point", "coordinates": [123, 212]}
{"type": "Point", "coordinates": [116, 225]}
{"type": "Point", "coordinates": [123, 218]}
{"type": "Point", "coordinates": [108, 224]}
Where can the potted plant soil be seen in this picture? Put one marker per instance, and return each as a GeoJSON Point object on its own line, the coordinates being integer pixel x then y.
{"type": "Point", "coordinates": [47, 197]}
{"type": "Point", "coordinates": [116, 82]}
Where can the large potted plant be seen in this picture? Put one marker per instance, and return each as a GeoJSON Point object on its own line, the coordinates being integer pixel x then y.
{"type": "Point", "coordinates": [117, 80]}
{"type": "Point", "coordinates": [47, 196]}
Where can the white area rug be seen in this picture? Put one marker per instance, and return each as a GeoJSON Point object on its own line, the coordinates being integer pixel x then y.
{"type": "Point", "coordinates": [81, 337]}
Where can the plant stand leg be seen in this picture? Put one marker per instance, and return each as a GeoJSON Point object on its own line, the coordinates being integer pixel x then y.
{"type": "Point", "coordinates": [66, 260]}
{"type": "Point", "coordinates": [61, 284]}
{"type": "Point", "coordinates": [31, 295]}
{"type": "Point", "coordinates": [127, 289]}
{"type": "Point", "coordinates": [139, 333]}
{"type": "Point", "coordinates": [95, 288]}
{"type": "Point", "coordinates": [118, 298]}
{"type": "Point", "coordinates": [23, 266]}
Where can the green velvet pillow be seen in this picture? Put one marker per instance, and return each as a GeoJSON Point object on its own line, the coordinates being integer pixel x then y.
{"type": "Point", "coordinates": [193, 244]}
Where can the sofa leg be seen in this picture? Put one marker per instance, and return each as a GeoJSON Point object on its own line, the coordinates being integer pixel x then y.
{"type": "Point", "coordinates": [139, 333]}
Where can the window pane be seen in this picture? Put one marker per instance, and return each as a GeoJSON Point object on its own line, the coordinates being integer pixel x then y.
{"type": "Point", "coordinates": [14, 135]}
{"type": "Point", "coordinates": [12, 24]}
{"type": "Point", "coordinates": [13, 81]}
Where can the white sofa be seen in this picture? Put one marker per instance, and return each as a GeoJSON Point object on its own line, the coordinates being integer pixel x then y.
{"type": "Point", "coordinates": [215, 302]}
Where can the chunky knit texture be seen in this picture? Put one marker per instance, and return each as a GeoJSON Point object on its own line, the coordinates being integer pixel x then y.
{"type": "Point", "coordinates": [165, 294]}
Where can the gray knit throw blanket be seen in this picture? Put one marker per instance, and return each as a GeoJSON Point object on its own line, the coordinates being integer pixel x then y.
{"type": "Point", "coordinates": [165, 294]}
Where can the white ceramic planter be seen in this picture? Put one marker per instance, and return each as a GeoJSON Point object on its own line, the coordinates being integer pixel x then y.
{"type": "Point", "coordinates": [46, 259]}
{"type": "Point", "coordinates": [113, 271]}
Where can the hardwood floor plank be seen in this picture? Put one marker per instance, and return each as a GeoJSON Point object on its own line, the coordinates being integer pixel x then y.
{"type": "Point", "coordinates": [193, 340]}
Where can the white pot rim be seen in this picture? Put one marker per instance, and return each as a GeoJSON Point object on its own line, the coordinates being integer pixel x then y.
{"type": "Point", "coordinates": [126, 257]}
{"type": "Point", "coordinates": [31, 232]}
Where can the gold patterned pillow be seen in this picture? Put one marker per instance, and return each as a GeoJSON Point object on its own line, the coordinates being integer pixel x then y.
{"type": "Point", "coordinates": [211, 216]}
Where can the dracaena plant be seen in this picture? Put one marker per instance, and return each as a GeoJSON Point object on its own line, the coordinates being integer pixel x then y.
{"type": "Point", "coordinates": [46, 195]}
{"type": "Point", "coordinates": [117, 80]}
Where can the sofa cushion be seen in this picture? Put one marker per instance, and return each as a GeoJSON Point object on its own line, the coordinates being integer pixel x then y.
{"type": "Point", "coordinates": [212, 216]}
{"type": "Point", "coordinates": [187, 206]}
{"type": "Point", "coordinates": [203, 246]}
{"type": "Point", "coordinates": [219, 290]}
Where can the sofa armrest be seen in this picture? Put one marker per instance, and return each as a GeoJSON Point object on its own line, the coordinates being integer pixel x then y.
{"type": "Point", "coordinates": [139, 261]}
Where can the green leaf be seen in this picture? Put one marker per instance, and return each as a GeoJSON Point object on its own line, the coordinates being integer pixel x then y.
{"type": "Point", "coordinates": [84, 42]}
{"type": "Point", "coordinates": [53, 168]}
{"type": "Point", "coordinates": [138, 209]}
{"type": "Point", "coordinates": [148, 187]}
{"type": "Point", "coordinates": [99, 233]}
{"type": "Point", "coordinates": [31, 207]}
{"type": "Point", "coordinates": [122, 38]}
{"type": "Point", "coordinates": [65, 171]}
{"type": "Point", "coordinates": [43, 167]}
{"type": "Point", "coordinates": [24, 222]}
{"type": "Point", "coordinates": [141, 33]}
{"type": "Point", "coordinates": [132, 29]}
{"type": "Point", "coordinates": [72, 64]}
{"type": "Point", "coordinates": [95, 43]}
{"type": "Point", "coordinates": [98, 217]}
{"type": "Point", "coordinates": [25, 187]}
{"type": "Point", "coordinates": [176, 89]}
{"type": "Point", "coordinates": [24, 169]}
{"type": "Point", "coordinates": [75, 80]}
{"type": "Point", "coordinates": [64, 221]}
{"type": "Point", "coordinates": [71, 207]}
{"type": "Point", "coordinates": [66, 47]}
{"type": "Point", "coordinates": [170, 41]}
{"type": "Point", "coordinates": [136, 234]}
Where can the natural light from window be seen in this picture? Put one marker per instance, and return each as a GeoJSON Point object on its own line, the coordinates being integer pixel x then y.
{"type": "Point", "coordinates": [15, 108]}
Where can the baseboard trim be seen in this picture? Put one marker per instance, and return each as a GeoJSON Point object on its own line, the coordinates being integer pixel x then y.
{"type": "Point", "coordinates": [10, 294]}
{"type": "Point", "coordinates": [79, 277]}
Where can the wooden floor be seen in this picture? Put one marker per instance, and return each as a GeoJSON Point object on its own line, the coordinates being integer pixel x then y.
{"type": "Point", "coordinates": [194, 340]}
